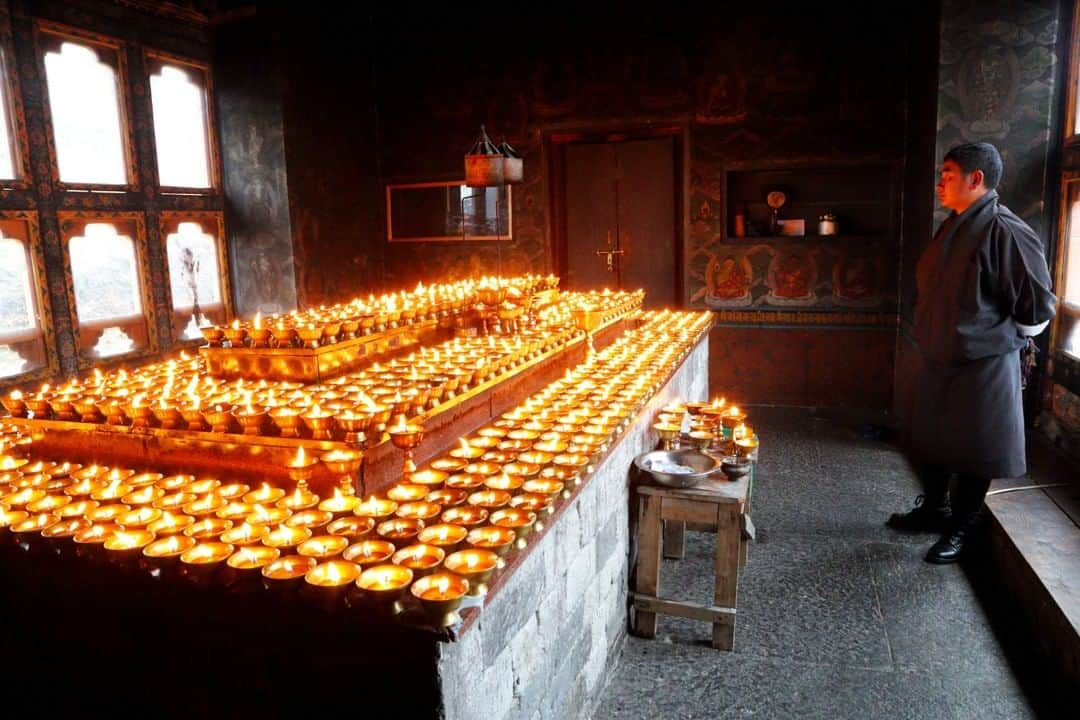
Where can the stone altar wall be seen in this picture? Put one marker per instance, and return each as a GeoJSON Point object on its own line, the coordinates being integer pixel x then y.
{"type": "Point", "coordinates": [545, 643]}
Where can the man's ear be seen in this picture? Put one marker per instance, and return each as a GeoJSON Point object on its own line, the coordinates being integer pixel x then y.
{"type": "Point", "coordinates": [977, 178]}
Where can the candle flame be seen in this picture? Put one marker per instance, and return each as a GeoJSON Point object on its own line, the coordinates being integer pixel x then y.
{"type": "Point", "coordinates": [257, 324]}
{"type": "Point", "coordinates": [16, 395]}
{"type": "Point", "coordinates": [236, 324]}
{"type": "Point", "coordinates": [443, 583]}
{"type": "Point", "coordinates": [333, 574]}
{"type": "Point", "coordinates": [471, 561]}
{"type": "Point", "coordinates": [261, 512]}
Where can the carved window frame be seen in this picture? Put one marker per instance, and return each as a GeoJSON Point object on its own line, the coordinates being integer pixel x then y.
{"type": "Point", "coordinates": [9, 220]}
{"type": "Point", "coordinates": [73, 223]}
{"type": "Point", "coordinates": [48, 36]}
{"type": "Point", "coordinates": [153, 60]}
{"type": "Point", "coordinates": [213, 223]}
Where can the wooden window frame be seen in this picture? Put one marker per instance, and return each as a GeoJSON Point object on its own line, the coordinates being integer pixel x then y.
{"type": "Point", "coordinates": [32, 236]}
{"type": "Point", "coordinates": [153, 60]}
{"type": "Point", "coordinates": [74, 222]}
{"type": "Point", "coordinates": [213, 223]}
{"type": "Point", "coordinates": [11, 96]}
{"type": "Point", "coordinates": [1072, 78]}
{"type": "Point", "coordinates": [47, 36]}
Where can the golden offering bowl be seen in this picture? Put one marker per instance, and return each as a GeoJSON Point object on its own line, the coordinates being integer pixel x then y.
{"type": "Point", "coordinates": [193, 416]}
{"type": "Point", "coordinates": [22, 497]}
{"type": "Point", "coordinates": [489, 499]}
{"type": "Point", "coordinates": [14, 405]}
{"type": "Point", "coordinates": [287, 420]}
{"type": "Point", "coordinates": [169, 547]}
{"type": "Point", "coordinates": [138, 518]}
{"type": "Point", "coordinates": [62, 407]}
{"type": "Point", "coordinates": [420, 558]}
{"type": "Point", "coordinates": [466, 515]}
{"type": "Point", "coordinates": [283, 335]}
{"type": "Point", "coordinates": [447, 497]}
{"type": "Point", "coordinates": [399, 530]}
{"type": "Point", "coordinates": [323, 546]}
{"type": "Point", "coordinates": [497, 457]}
{"type": "Point", "coordinates": [285, 536]}
{"type": "Point", "coordinates": [244, 534]}
{"type": "Point", "coordinates": [253, 557]}
{"type": "Point", "coordinates": [504, 481]}
{"type": "Point", "coordinates": [233, 490]}
{"type": "Point", "coordinates": [321, 424]}
{"type": "Point", "coordinates": [170, 523]}
{"type": "Point", "coordinates": [310, 335]}
{"type": "Point", "coordinates": [39, 406]}
{"type": "Point", "coordinates": [86, 406]}
{"type": "Point", "coordinates": [64, 529]}
{"type": "Point", "coordinates": [287, 572]}
{"type": "Point", "coordinates": [129, 542]}
{"type": "Point", "coordinates": [205, 505]}
{"type": "Point", "coordinates": [376, 508]}
{"type": "Point", "coordinates": [169, 416]}
{"type": "Point", "coordinates": [143, 479]}
{"type": "Point", "coordinates": [407, 437]}
{"type": "Point", "coordinates": [732, 420]}
{"type": "Point", "coordinates": [207, 553]}
{"type": "Point", "coordinates": [520, 521]}
{"type": "Point", "coordinates": [351, 527]}
{"type": "Point", "coordinates": [702, 439]}
{"type": "Point", "coordinates": [440, 595]}
{"type": "Point", "coordinates": [112, 491]}
{"type": "Point", "coordinates": [383, 585]}
{"type": "Point", "coordinates": [420, 510]}
{"type": "Point", "coordinates": [343, 461]}
{"type": "Point", "coordinates": [220, 416]}
{"type": "Point", "coordinates": [235, 336]}
{"type": "Point", "coordinates": [264, 494]}
{"type": "Point", "coordinates": [310, 519]}
{"type": "Point", "coordinates": [9, 463]}
{"type": "Point", "coordinates": [175, 482]}
{"type": "Point", "coordinates": [176, 501]}
{"type": "Point", "coordinates": [253, 420]}
{"type": "Point", "coordinates": [96, 534]}
{"type": "Point", "coordinates": [465, 481]}
{"type": "Point", "coordinates": [34, 523]}
{"type": "Point", "coordinates": [544, 486]}
{"type": "Point", "coordinates": [260, 337]}
{"type": "Point", "coordinates": [299, 499]}
{"type": "Point", "coordinates": [542, 456]}
{"type": "Point", "coordinates": [213, 335]}
{"type": "Point", "coordinates": [140, 415]}
{"type": "Point", "coordinates": [445, 536]}
{"type": "Point", "coordinates": [63, 469]}
{"type": "Point", "coordinates": [368, 552]}
{"type": "Point", "coordinates": [208, 528]}
{"type": "Point", "coordinates": [407, 492]}
{"type": "Point", "coordinates": [490, 537]}
{"type": "Point", "coordinates": [78, 508]}
{"type": "Point", "coordinates": [532, 502]}
{"type": "Point", "coordinates": [49, 504]}
{"type": "Point", "coordinates": [696, 408]}
{"type": "Point", "coordinates": [482, 468]}
{"type": "Point", "coordinates": [428, 478]}
{"type": "Point", "coordinates": [474, 565]}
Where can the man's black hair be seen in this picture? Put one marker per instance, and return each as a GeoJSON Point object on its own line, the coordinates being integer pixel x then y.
{"type": "Point", "coordinates": [978, 156]}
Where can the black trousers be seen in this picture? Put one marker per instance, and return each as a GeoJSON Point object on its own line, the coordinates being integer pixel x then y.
{"type": "Point", "coordinates": [968, 496]}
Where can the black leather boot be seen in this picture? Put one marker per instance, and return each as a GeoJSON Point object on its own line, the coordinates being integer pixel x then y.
{"type": "Point", "coordinates": [971, 492]}
{"type": "Point", "coordinates": [932, 513]}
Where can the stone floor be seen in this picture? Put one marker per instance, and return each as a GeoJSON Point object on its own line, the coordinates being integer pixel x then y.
{"type": "Point", "coordinates": [839, 617]}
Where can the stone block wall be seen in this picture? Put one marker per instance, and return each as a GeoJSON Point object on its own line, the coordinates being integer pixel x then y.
{"type": "Point", "coordinates": [546, 642]}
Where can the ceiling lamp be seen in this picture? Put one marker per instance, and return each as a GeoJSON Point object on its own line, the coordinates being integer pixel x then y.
{"type": "Point", "coordinates": [484, 163]}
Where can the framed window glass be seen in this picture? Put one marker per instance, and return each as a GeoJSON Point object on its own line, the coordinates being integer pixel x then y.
{"type": "Point", "coordinates": [84, 81]}
{"type": "Point", "coordinates": [108, 283]}
{"type": "Point", "coordinates": [179, 97]}
{"type": "Point", "coordinates": [198, 279]}
{"type": "Point", "coordinates": [1067, 335]}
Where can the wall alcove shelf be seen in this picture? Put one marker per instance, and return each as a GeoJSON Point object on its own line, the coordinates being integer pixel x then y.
{"type": "Point", "coordinates": [861, 196]}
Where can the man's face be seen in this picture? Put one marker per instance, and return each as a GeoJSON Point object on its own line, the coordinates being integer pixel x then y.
{"type": "Point", "coordinates": [955, 190]}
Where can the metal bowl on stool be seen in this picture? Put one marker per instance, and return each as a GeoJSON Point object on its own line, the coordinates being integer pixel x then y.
{"type": "Point", "coordinates": [702, 464]}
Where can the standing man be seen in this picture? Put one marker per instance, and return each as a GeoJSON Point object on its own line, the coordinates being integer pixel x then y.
{"type": "Point", "coordinates": [983, 290]}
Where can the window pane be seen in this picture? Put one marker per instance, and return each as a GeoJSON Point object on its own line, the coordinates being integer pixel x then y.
{"type": "Point", "coordinates": [106, 274]}
{"type": "Point", "coordinates": [193, 267]}
{"type": "Point", "coordinates": [85, 116]}
{"type": "Point", "coordinates": [180, 129]}
{"type": "Point", "coordinates": [16, 288]}
{"type": "Point", "coordinates": [7, 162]}
{"type": "Point", "coordinates": [1070, 293]}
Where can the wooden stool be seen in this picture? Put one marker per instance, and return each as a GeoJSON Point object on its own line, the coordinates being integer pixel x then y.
{"type": "Point", "coordinates": [718, 506]}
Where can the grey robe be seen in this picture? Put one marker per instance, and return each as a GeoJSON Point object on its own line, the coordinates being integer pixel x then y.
{"type": "Point", "coordinates": [980, 281]}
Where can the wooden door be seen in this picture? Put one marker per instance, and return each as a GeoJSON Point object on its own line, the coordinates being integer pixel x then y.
{"type": "Point", "coordinates": [620, 198]}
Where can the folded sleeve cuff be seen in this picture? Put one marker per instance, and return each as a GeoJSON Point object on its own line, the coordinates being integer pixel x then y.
{"type": "Point", "coordinates": [1031, 330]}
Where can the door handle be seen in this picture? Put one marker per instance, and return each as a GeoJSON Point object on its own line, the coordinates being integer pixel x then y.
{"type": "Point", "coordinates": [610, 257]}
